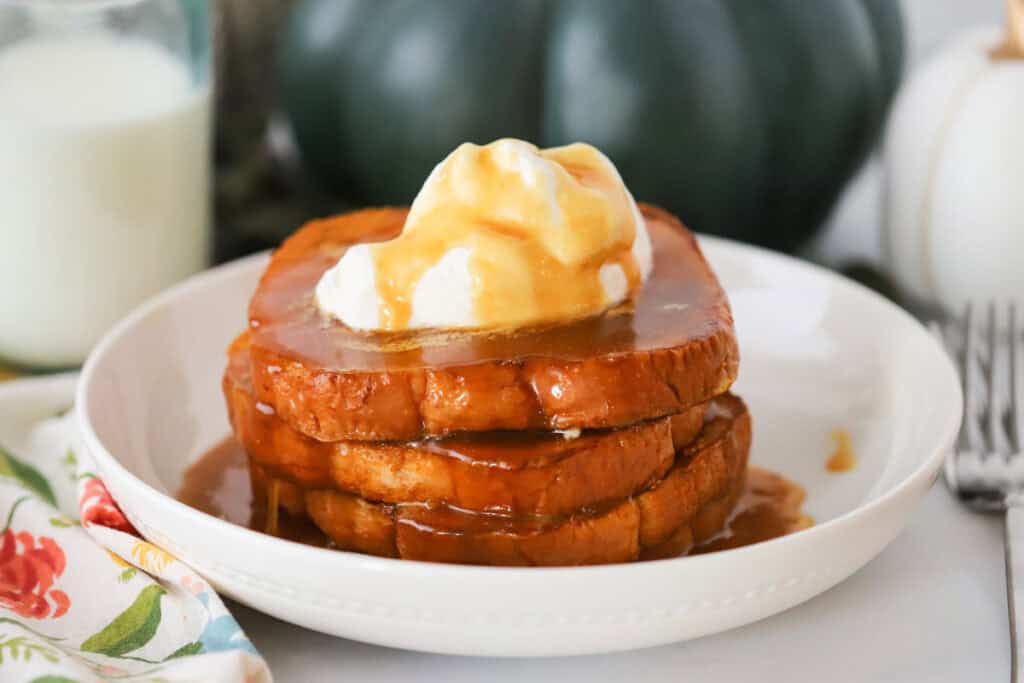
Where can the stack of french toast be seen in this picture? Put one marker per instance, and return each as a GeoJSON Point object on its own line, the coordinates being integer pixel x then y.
{"type": "Point", "coordinates": [607, 439]}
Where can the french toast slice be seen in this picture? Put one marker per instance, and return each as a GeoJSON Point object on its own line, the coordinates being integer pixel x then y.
{"type": "Point", "coordinates": [672, 348]}
{"type": "Point", "coordinates": [691, 505]}
{"type": "Point", "coordinates": [518, 473]}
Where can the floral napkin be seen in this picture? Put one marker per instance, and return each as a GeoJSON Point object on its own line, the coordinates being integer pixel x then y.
{"type": "Point", "coordinates": [83, 598]}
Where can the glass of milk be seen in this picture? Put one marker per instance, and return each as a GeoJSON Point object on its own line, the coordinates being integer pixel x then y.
{"type": "Point", "coordinates": [104, 165]}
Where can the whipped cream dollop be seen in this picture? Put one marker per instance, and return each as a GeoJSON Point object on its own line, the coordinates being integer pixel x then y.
{"type": "Point", "coordinates": [501, 235]}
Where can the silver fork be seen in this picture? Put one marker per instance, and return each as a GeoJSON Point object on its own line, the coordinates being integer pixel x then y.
{"type": "Point", "coordinates": [986, 467]}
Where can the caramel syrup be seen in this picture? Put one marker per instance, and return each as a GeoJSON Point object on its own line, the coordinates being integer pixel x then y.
{"type": "Point", "coordinates": [843, 458]}
{"type": "Point", "coordinates": [509, 225]}
{"type": "Point", "coordinates": [769, 507]}
{"type": "Point", "coordinates": [681, 302]}
{"type": "Point", "coordinates": [218, 484]}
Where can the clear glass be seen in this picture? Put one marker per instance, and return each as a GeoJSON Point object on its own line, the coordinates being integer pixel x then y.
{"type": "Point", "coordinates": [105, 129]}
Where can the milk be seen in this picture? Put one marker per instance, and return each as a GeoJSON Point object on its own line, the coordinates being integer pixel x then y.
{"type": "Point", "coordinates": [104, 188]}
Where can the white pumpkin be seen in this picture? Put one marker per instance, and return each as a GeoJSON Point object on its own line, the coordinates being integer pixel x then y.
{"type": "Point", "coordinates": [954, 159]}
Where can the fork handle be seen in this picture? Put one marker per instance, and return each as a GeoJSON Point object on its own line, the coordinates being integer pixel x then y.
{"type": "Point", "coordinates": [1015, 587]}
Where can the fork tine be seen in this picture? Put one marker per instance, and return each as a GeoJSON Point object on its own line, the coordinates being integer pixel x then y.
{"type": "Point", "coordinates": [1016, 399]}
{"type": "Point", "coordinates": [970, 425]}
{"type": "Point", "coordinates": [994, 407]}
{"type": "Point", "coordinates": [942, 335]}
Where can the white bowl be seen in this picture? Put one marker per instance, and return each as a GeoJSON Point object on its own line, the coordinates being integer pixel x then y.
{"type": "Point", "coordinates": [819, 353]}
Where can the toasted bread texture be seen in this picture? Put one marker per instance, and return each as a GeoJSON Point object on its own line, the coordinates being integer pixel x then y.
{"type": "Point", "coordinates": [519, 473]}
{"type": "Point", "coordinates": [690, 505]}
{"type": "Point", "coordinates": [671, 349]}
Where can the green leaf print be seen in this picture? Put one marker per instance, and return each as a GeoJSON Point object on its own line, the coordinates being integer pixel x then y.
{"type": "Point", "coordinates": [186, 650]}
{"type": "Point", "coordinates": [26, 627]}
{"type": "Point", "coordinates": [10, 513]}
{"type": "Point", "coordinates": [62, 522]}
{"type": "Point", "coordinates": [28, 476]}
{"type": "Point", "coordinates": [132, 628]}
{"type": "Point", "coordinates": [21, 648]}
{"type": "Point", "coordinates": [53, 679]}
{"type": "Point", "coordinates": [70, 462]}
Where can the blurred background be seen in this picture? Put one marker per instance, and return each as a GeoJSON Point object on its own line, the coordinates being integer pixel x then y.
{"type": "Point", "coordinates": [746, 119]}
{"type": "Point", "coordinates": [759, 121]}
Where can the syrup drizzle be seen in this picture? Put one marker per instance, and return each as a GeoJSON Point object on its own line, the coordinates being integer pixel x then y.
{"type": "Point", "coordinates": [475, 199]}
{"type": "Point", "coordinates": [679, 301]}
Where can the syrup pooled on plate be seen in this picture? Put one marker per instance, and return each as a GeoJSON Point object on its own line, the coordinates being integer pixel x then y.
{"type": "Point", "coordinates": [771, 506]}
{"type": "Point", "coordinates": [843, 458]}
{"type": "Point", "coordinates": [218, 484]}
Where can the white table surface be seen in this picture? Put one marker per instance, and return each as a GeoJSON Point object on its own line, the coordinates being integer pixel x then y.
{"type": "Point", "coordinates": [932, 607]}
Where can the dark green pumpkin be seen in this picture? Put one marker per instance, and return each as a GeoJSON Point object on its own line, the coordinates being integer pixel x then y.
{"type": "Point", "coordinates": [744, 117]}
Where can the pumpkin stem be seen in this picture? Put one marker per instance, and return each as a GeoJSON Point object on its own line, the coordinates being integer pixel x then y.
{"type": "Point", "coordinates": [1013, 45]}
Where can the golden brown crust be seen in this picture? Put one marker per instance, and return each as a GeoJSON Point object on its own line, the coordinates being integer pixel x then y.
{"type": "Point", "coordinates": [363, 526]}
{"type": "Point", "coordinates": [512, 473]}
{"type": "Point", "coordinates": [587, 539]}
{"type": "Point", "coordinates": [689, 506]}
{"type": "Point", "coordinates": [674, 350]}
{"type": "Point", "coordinates": [708, 522]}
{"type": "Point", "coordinates": [697, 477]}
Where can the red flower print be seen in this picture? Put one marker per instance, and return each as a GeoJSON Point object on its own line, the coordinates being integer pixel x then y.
{"type": "Point", "coordinates": [27, 575]}
{"type": "Point", "coordinates": [97, 507]}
